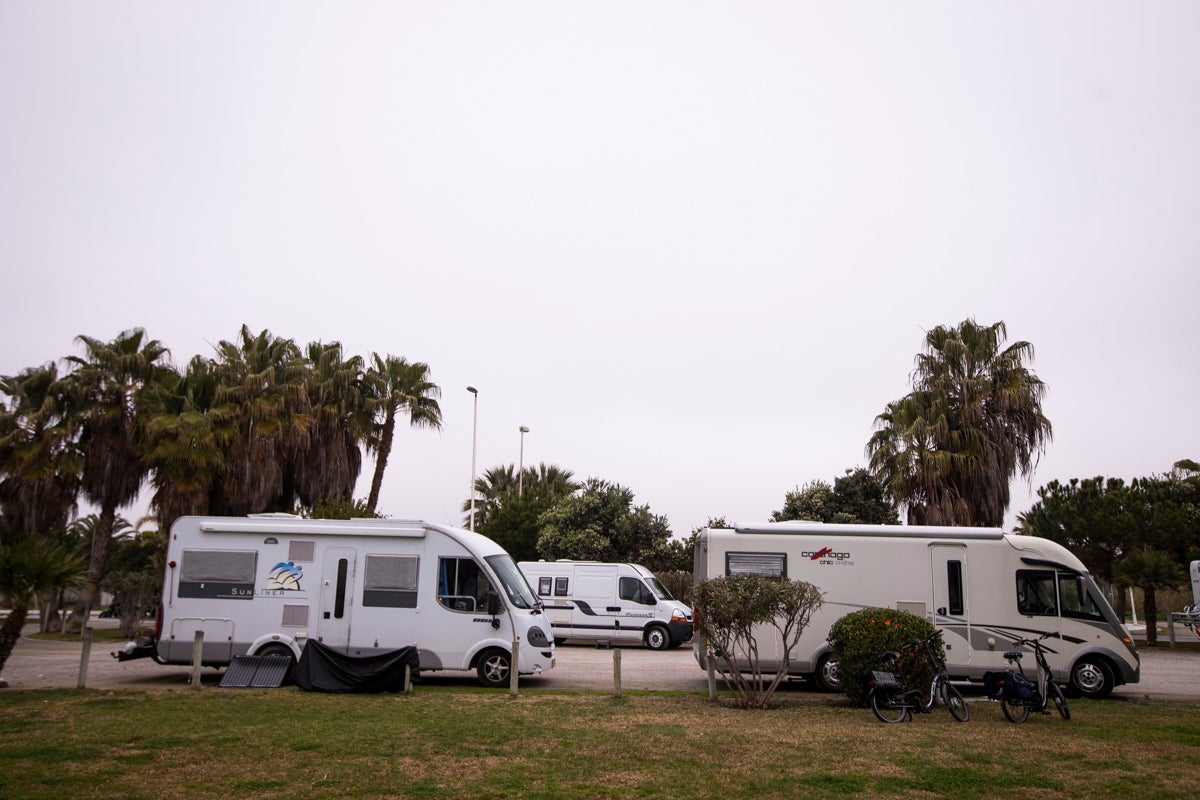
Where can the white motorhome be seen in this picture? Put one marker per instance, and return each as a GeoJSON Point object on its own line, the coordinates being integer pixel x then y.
{"type": "Point", "coordinates": [619, 602]}
{"type": "Point", "coordinates": [981, 586]}
{"type": "Point", "coordinates": [267, 584]}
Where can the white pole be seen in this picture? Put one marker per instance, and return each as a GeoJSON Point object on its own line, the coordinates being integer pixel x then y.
{"type": "Point", "coordinates": [474, 431]}
{"type": "Point", "coordinates": [521, 464]}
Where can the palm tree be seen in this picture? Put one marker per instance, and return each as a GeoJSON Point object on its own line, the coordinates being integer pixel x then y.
{"type": "Point", "coordinates": [974, 419]}
{"type": "Point", "coordinates": [30, 567]}
{"type": "Point", "coordinates": [1150, 570]}
{"type": "Point", "coordinates": [188, 434]}
{"type": "Point", "coordinates": [509, 516]}
{"type": "Point", "coordinates": [397, 386]}
{"type": "Point", "coordinates": [40, 464]}
{"type": "Point", "coordinates": [262, 378]}
{"type": "Point", "coordinates": [329, 461]}
{"type": "Point", "coordinates": [108, 389]}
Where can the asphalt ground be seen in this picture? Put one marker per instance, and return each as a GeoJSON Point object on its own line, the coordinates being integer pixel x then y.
{"type": "Point", "coordinates": [1168, 675]}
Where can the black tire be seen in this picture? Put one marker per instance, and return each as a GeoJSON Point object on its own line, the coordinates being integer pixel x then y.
{"type": "Point", "coordinates": [825, 677]}
{"type": "Point", "coordinates": [494, 667]}
{"type": "Point", "coordinates": [883, 704]}
{"type": "Point", "coordinates": [1092, 677]}
{"type": "Point", "coordinates": [1015, 710]}
{"type": "Point", "coordinates": [278, 650]}
{"type": "Point", "coordinates": [658, 637]}
{"type": "Point", "coordinates": [954, 702]}
{"type": "Point", "coordinates": [1060, 700]}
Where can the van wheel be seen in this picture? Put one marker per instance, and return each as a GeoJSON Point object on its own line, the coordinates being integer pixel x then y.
{"type": "Point", "coordinates": [1092, 678]}
{"type": "Point", "coordinates": [658, 638]}
{"type": "Point", "coordinates": [826, 674]}
{"type": "Point", "coordinates": [280, 651]}
{"type": "Point", "coordinates": [493, 668]}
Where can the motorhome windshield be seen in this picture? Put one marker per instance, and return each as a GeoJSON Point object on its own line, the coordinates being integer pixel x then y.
{"type": "Point", "coordinates": [515, 585]}
{"type": "Point", "coordinates": [659, 589]}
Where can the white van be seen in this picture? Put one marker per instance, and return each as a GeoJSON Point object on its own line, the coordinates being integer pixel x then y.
{"type": "Point", "coordinates": [267, 584]}
{"type": "Point", "coordinates": [597, 600]}
{"type": "Point", "coordinates": [981, 586]}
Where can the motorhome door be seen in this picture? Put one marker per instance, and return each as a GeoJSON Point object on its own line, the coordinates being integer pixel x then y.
{"type": "Point", "coordinates": [950, 610]}
{"type": "Point", "coordinates": [337, 592]}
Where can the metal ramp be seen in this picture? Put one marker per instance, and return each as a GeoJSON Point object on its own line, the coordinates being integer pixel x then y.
{"type": "Point", "coordinates": [257, 672]}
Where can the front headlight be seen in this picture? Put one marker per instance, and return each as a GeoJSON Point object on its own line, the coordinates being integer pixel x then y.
{"type": "Point", "coordinates": [679, 615]}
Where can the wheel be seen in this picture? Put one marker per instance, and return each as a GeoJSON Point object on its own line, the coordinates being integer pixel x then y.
{"type": "Point", "coordinates": [493, 668]}
{"type": "Point", "coordinates": [278, 650]}
{"type": "Point", "coordinates": [888, 705]}
{"type": "Point", "coordinates": [1060, 700]}
{"type": "Point", "coordinates": [1092, 678]}
{"type": "Point", "coordinates": [955, 703]}
{"type": "Point", "coordinates": [658, 638]}
{"type": "Point", "coordinates": [826, 674]}
{"type": "Point", "coordinates": [1015, 710]}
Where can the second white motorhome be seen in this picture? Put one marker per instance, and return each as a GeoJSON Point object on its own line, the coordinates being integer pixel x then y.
{"type": "Point", "coordinates": [267, 584]}
{"type": "Point", "coordinates": [981, 586]}
{"type": "Point", "coordinates": [598, 600]}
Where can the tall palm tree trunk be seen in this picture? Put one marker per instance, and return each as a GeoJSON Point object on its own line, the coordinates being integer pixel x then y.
{"type": "Point", "coordinates": [10, 631]}
{"type": "Point", "coordinates": [381, 459]}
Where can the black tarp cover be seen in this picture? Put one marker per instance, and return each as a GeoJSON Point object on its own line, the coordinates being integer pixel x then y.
{"type": "Point", "coordinates": [321, 669]}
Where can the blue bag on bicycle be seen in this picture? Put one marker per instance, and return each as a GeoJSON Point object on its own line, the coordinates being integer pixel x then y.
{"type": "Point", "coordinates": [1010, 684]}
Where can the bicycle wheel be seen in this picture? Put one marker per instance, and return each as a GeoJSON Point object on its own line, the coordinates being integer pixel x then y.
{"type": "Point", "coordinates": [1060, 701]}
{"type": "Point", "coordinates": [888, 705]}
{"type": "Point", "coordinates": [1015, 710]}
{"type": "Point", "coordinates": [954, 702]}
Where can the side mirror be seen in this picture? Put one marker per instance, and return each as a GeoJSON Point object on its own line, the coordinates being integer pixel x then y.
{"type": "Point", "coordinates": [493, 603]}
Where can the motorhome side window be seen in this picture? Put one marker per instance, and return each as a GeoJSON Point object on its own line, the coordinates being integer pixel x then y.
{"type": "Point", "coordinates": [635, 591]}
{"type": "Point", "coordinates": [544, 586]}
{"type": "Point", "coordinates": [768, 565]}
{"type": "Point", "coordinates": [1036, 596]}
{"type": "Point", "coordinates": [462, 585]}
{"type": "Point", "coordinates": [391, 581]}
{"type": "Point", "coordinates": [1077, 602]}
{"type": "Point", "coordinates": [223, 574]}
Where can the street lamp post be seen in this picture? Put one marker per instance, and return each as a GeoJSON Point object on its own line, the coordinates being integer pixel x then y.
{"type": "Point", "coordinates": [521, 465]}
{"type": "Point", "coordinates": [474, 434]}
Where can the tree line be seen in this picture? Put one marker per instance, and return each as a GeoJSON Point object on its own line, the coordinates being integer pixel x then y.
{"type": "Point", "coordinates": [262, 425]}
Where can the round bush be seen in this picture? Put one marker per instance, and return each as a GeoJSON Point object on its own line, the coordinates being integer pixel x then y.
{"type": "Point", "coordinates": [859, 639]}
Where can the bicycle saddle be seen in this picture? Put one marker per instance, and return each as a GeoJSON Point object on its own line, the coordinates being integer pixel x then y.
{"type": "Point", "coordinates": [1013, 655]}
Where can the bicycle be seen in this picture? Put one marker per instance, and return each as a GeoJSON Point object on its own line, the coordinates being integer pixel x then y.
{"type": "Point", "coordinates": [893, 701]}
{"type": "Point", "coordinates": [1040, 694]}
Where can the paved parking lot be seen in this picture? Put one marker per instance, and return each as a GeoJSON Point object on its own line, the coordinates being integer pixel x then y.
{"type": "Point", "coordinates": [1167, 675]}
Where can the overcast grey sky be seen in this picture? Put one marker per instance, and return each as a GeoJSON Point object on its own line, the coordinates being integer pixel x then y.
{"type": "Point", "coordinates": [692, 246]}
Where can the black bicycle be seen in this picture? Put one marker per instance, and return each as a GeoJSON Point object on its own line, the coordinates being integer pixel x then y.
{"type": "Point", "coordinates": [1018, 701]}
{"type": "Point", "coordinates": [893, 701]}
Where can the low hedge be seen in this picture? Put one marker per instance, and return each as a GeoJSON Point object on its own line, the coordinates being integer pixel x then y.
{"type": "Point", "coordinates": [859, 639]}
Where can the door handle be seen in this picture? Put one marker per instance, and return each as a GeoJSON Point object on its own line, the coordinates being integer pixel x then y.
{"type": "Point", "coordinates": [942, 611]}
{"type": "Point", "coordinates": [613, 608]}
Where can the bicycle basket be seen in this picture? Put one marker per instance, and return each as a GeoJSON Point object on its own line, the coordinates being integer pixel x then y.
{"type": "Point", "coordinates": [885, 680]}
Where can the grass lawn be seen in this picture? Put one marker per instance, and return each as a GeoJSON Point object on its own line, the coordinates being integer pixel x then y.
{"type": "Point", "coordinates": [454, 742]}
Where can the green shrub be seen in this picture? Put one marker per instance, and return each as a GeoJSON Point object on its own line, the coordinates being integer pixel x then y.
{"type": "Point", "coordinates": [858, 639]}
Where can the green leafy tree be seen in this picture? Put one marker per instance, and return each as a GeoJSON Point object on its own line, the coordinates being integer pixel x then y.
{"type": "Point", "coordinates": [107, 393]}
{"type": "Point", "coordinates": [30, 567]}
{"type": "Point", "coordinates": [858, 639]}
{"type": "Point", "coordinates": [396, 387]}
{"type": "Point", "coordinates": [135, 576]}
{"type": "Point", "coordinates": [328, 459]}
{"type": "Point", "coordinates": [731, 612]}
{"type": "Point", "coordinates": [1151, 570]}
{"type": "Point", "coordinates": [40, 463]}
{"type": "Point", "coordinates": [508, 509]}
{"type": "Point", "coordinates": [949, 449]}
{"type": "Point", "coordinates": [600, 522]}
{"type": "Point", "coordinates": [262, 378]}
{"type": "Point", "coordinates": [188, 436]}
{"type": "Point", "coordinates": [856, 497]}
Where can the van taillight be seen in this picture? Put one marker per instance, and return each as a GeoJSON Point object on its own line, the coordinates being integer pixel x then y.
{"type": "Point", "coordinates": [158, 622]}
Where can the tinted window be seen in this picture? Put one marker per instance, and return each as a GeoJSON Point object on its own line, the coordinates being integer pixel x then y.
{"type": "Point", "coordinates": [1036, 596]}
